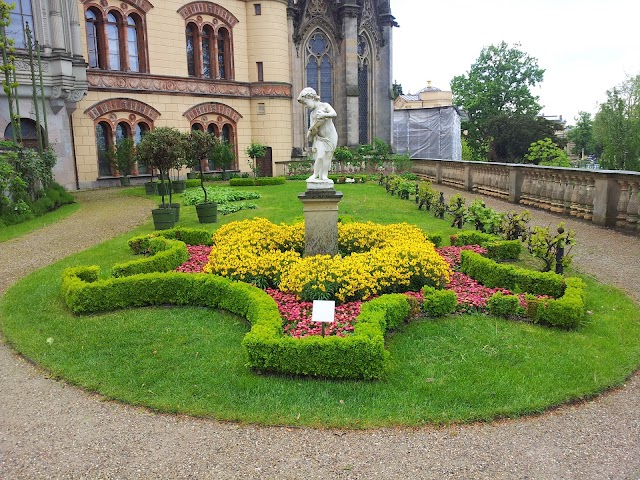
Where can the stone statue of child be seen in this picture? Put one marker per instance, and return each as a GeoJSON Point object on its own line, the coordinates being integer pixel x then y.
{"type": "Point", "coordinates": [322, 134]}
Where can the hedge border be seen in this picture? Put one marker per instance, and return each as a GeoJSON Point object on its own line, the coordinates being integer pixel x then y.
{"type": "Point", "coordinates": [497, 248]}
{"type": "Point", "coordinates": [359, 356]}
{"type": "Point", "coordinates": [493, 275]}
{"type": "Point", "coordinates": [165, 254]}
{"type": "Point", "coordinates": [257, 182]}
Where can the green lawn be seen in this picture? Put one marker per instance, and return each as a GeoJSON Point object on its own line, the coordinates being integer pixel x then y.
{"type": "Point", "coordinates": [189, 360]}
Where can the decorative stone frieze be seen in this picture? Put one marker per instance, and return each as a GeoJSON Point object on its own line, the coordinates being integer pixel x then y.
{"type": "Point", "coordinates": [122, 104]}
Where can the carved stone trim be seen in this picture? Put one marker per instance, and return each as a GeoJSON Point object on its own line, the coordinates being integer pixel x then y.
{"type": "Point", "coordinates": [212, 108]}
{"type": "Point", "coordinates": [208, 8]}
{"type": "Point", "coordinates": [160, 84]}
{"type": "Point", "coordinates": [143, 5]}
{"type": "Point", "coordinates": [122, 104]}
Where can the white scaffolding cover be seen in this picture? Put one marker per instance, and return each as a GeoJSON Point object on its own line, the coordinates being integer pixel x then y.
{"type": "Point", "coordinates": [428, 133]}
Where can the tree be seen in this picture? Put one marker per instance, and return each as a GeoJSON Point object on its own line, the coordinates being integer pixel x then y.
{"type": "Point", "coordinates": [617, 126]}
{"type": "Point", "coordinates": [198, 147]}
{"type": "Point", "coordinates": [582, 135]}
{"type": "Point", "coordinates": [545, 152]}
{"type": "Point", "coordinates": [509, 136]}
{"type": "Point", "coordinates": [498, 83]}
{"type": "Point", "coordinates": [396, 89]}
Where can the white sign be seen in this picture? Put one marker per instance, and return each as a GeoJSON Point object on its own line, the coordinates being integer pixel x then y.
{"type": "Point", "coordinates": [323, 311]}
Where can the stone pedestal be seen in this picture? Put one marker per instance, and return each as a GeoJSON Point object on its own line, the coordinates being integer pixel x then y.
{"type": "Point", "coordinates": [320, 220]}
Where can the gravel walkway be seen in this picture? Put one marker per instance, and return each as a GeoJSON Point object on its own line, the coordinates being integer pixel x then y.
{"type": "Point", "coordinates": [51, 430]}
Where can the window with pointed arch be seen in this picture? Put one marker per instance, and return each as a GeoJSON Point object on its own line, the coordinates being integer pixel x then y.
{"type": "Point", "coordinates": [116, 40]}
{"type": "Point", "coordinates": [364, 89]}
{"type": "Point", "coordinates": [319, 65]}
{"type": "Point", "coordinates": [209, 50]}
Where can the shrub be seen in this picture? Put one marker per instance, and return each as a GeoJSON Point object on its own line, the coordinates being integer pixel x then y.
{"type": "Point", "coordinates": [506, 306]}
{"type": "Point", "coordinates": [501, 250]}
{"type": "Point", "coordinates": [166, 255]}
{"type": "Point", "coordinates": [492, 274]}
{"type": "Point", "coordinates": [190, 236]}
{"type": "Point", "coordinates": [470, 238]}
{"type": "Point", "coordinates": [546, 246]}
{"type": "Point", "coordinates": [360, 355]}
{"type": "Point", "coordinates": [437, 303]}
{"type": "Point", "coordinates": [566, 312]}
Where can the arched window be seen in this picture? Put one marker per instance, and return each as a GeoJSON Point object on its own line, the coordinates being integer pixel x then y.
{"type": "Point", "coordinates": [28, 133]}
{"type": "Point", "coordinates": [140, 130]}
{"type": "Point", "coordinates": [93, 38]}
{"type": "Point", "coordinates": [103, 142]}
{"type": "Point", "coordinates": [213, 129]}
{"type": "Point", "coordinates": [208, 59]}
{"type": "Point", "coordinates": [197, 127]}
{"type": "Point", "coordinates": [191, 52]}
{"type": "Point", "coordinates": [19, 17]}
{"type": "Point", "coordinates": [132, 44]}
{"type": "Point", "coordinates": [113, 41]}
{"type": "Point", "coordinates": [122, 132]}
{"type": "Point", "coordinates": [364, 75]}
{"type": "Point", "coordinates": [209, 51]}
{"type": "Point", "coordinates": [319, 67]}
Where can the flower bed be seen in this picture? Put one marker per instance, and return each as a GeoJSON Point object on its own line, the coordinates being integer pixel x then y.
{"type": "Point", "coordinates": [376, 259]}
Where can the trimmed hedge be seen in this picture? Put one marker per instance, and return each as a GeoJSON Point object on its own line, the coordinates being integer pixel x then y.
{"type": "Point", "coordinates": [435, 238]}
{"type": "Point", "coordinates": [166, 255]}
{"type": "Point", "coordinates": [568, 311]}
{"type": "Point", "coordinates": [496, 275]}
{"type": "Point", "coordinates": [360, 355]}
{"type": "Point", "coordinates": [506, 306]}
{"type": "Point", "coordinates": [337, 178]}
{"type": "Point", "coordinates": [497, 248]}
{"type": "Point", "coordinates": [257, 182]}
{"type": "Point", "coordinates": [438, 303]}
{"type": "Point", "coordinates": [190, 236]}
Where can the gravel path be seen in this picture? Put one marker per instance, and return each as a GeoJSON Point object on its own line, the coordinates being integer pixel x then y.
{"type": "Point", "coordinates": [51, 430]}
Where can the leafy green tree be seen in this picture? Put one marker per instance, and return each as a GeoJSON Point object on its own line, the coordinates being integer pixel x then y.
{"type": "Point", "coordinates": [498, 83]}
{"type": "Point", "coordinates": [617, 126]}
{"type": "Point", "coordinates": [582, 135]}
{"type": "Point", "coordinates": [545, 152]}
{"type": "Point", "coordinates": [396, 89]}
{"type": "Point", "coordinates": [511, 135]}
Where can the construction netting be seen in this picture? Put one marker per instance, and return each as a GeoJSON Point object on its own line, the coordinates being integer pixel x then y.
{"type": "Point", "coordinates": [428, 133]}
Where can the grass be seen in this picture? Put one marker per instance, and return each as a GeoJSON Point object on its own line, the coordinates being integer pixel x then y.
{"type": "Point", "coordinates": [189, 360]}
{"type": "Point", "coordinates": [13, 231]}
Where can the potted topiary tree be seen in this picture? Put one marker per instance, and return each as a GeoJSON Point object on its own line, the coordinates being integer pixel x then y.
{"type": "Point", "coordinates": [254, 151]}
{"type": "Point", "coordinates": [222, 156]}
{"type": "Point", "coordinates": [122, 158]}
{"type": "Point", "coordinates": [162, 149]}
{"type": "Point", "coordinates": [198, 147]}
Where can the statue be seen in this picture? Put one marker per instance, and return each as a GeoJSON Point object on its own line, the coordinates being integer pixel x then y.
{"type": "Point", "coordinates": [322, 134]}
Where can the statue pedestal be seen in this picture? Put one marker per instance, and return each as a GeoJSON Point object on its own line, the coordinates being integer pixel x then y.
{"type": "Point", "coordinates": [320, 220]}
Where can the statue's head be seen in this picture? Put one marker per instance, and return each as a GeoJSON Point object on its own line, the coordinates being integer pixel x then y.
{"type": "Point", "coordinates": [308, 93]}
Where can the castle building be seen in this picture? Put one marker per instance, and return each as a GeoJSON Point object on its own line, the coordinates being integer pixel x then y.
{"type": "Point", "coordinates": [114, 69]}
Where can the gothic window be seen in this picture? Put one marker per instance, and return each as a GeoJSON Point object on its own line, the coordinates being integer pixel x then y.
{"type": "Point", "coordinates": [364, 88]}
{"type": "Point", "coordinates": [319, 67]}
{"type": "Point", "coordinates": [209, 51]}
{"type": "Point", "coordinates": [19, 17]}
{"type": "Point", "coordinates": [116, 42]}
{"type": "Point", "coordinates": [103, 142]}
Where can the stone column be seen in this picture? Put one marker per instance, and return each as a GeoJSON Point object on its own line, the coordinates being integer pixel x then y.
{"type": "Point", "coordinates": [320, 221]}
{"type": "Point", "coordinates": [297, 109]}
{"type": "Point", "coordinates": [350, 29]}
{"type": "Point", "coordinates": [57, 31]}
{"type": "Point", "coordinates": [76, 32]}
{"type": "Point", "coordinates": [633, 209]}
{"type": "Point", "coordinates": [623, 202]}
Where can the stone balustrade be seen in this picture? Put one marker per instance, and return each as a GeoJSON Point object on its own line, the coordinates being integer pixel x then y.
{"type": "Point", "coordinates": [605, 197]}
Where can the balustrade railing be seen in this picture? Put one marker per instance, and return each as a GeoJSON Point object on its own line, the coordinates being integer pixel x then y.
{"type": "Point", "coordinates": [604, 197]}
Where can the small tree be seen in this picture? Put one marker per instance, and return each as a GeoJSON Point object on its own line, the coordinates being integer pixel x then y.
{"type": "Point", "coordinates": [545, 152]}
{"type": "Point", "coordinates": [122, 156]}
{"type": "Point", "coordinates": [550, 248]}
{"type": "Point", "coordinates": [222, 155]}
{"type": "Point", "coordinates": [254, 151]}
{"type": "Point", "coordinates": [198, 148]}
{"type": "Point", "coordinates": [163, 149]}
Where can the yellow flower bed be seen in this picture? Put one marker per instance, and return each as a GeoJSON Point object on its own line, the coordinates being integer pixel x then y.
{"type": "Point", "coordinates": [377, 259]}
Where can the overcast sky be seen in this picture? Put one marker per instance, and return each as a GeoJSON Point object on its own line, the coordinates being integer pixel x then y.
{"type": "Point", "coordinates": [585, 46]}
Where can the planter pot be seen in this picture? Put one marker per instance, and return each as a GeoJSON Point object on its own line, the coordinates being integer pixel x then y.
{"type": "Point", "coordinates": [151, 188]}
{"type": "Point", "coordinates": [178, 186]}
{"type": "Point", "coordinates": [125, 181]}
{"type": "Point", "coordinates": [163, 218]}
{"type": "Point", "coordinates": [192, 175]}
{"type": "Point", "coordinates": [207, 212]}
{"type": "Point", "coordinates": [176, 210]}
